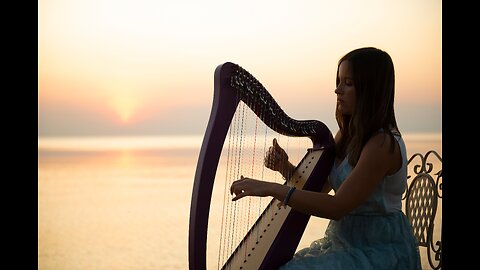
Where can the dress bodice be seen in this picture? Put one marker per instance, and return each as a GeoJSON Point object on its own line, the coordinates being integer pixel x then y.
{"type": "Point", "coordinates": [387, 197]}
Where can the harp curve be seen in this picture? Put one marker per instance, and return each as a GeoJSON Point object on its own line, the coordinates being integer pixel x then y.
{"type": "Point", "coordinates": [233, 84]}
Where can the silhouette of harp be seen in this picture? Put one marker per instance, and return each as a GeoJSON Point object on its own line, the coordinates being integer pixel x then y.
{"type": "Point", "coordinates": [279, 235]}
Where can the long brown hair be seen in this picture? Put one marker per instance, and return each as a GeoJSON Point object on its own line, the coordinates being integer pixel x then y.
{"type": "Point", "coordinates": [374, 81]}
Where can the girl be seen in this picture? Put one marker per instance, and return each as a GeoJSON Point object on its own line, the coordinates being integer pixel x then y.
{"type": "Point", "coordinates": [368, 229]}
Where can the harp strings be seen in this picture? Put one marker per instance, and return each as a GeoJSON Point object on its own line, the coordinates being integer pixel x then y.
{"type": "Point", "coordinates": [247, 141]}
{"type": "Point", "coordinates": [228, 233]}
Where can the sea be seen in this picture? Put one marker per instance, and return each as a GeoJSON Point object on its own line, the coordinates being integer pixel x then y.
{"type": "Point", "coordinates": [123, 203]}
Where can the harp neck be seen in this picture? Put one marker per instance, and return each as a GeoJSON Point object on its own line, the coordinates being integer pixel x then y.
{"type": "Point", "coordinates": [248, 89]}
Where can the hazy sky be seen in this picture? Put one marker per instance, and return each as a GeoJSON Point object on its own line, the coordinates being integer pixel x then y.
{"type": "Point", "coordinates": [110, 67]}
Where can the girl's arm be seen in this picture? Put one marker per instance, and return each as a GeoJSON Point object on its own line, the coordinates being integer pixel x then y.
{"type": "Point", "coordinates": [375, 162]}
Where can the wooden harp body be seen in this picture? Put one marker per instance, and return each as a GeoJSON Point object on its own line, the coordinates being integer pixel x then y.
{"type": "Point", "coordinates": [278, 231]}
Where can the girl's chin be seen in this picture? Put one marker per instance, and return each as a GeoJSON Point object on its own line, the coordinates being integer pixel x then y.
{"type": "Point", "coordinates": [343, 110]}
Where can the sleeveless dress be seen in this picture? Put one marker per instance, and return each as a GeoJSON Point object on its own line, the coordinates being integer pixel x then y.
{"type": "Point", "coordinates": [375, 235]}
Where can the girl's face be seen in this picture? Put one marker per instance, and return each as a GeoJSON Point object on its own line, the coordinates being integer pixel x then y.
{"type": "Point", "coordinates": [346, 96]}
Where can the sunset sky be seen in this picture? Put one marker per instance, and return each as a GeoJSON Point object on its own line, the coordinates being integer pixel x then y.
{"type": "Point", "coordinates": [139, 67]}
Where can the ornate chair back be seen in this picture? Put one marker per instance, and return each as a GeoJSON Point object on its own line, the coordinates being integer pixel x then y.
{"type": "Point", "coordinates": [422, 196]}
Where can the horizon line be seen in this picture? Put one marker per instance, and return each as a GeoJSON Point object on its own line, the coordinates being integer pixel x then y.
{"type": "Point", "coordinates": [153, 142]}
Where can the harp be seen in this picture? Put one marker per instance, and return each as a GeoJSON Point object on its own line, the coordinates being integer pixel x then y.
{"type": "Point", "coordinates": [273, 238]}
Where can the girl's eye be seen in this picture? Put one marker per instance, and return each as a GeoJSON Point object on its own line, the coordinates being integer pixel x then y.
{"type": "Point", "coordinates": [348, 82]}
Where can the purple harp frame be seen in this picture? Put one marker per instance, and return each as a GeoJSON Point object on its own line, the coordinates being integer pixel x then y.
{"type": "Point", "coordinates": [231, 84]}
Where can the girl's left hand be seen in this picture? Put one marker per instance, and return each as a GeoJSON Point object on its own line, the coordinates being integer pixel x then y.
{"type": "Point", "coordinates": [250, 187]}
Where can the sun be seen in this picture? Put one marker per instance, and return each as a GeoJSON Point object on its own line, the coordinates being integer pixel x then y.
{"type": "Point", "coordinates": [125, 108]}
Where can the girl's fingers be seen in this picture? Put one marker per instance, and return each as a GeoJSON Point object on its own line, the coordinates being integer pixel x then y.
{"type": "Point", "coordinates": [239, 193]}
{"type": "Point", "coordinates": [240, 188]}
{"type": "Point", "coordinates": [275, 146]}
{"type": "Point", "coordinates": [234, 187]}
{"type": "Point", "coordinates": [238, 185]}
{"type": "Point", "coordinates": [275, 143]}
{"type": "Point", "coordinates": [235, 190]}
{"type": "Point", "coordinates": [239, 196]}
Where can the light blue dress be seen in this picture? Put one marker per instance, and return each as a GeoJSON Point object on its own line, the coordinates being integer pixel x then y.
{"type": "Point", "coordinates": [376, 235]}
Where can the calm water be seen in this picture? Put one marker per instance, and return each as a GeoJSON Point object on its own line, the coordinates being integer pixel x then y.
{"type": "Point", "coordinates": [124, 202]}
